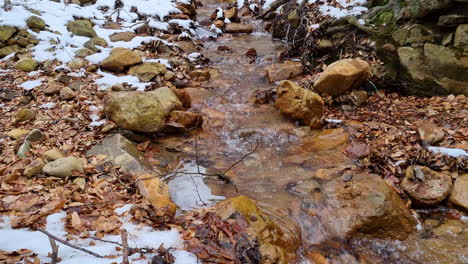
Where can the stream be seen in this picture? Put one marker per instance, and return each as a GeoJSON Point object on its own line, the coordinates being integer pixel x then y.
{"type": "Point", "coordinates": [286, 156]}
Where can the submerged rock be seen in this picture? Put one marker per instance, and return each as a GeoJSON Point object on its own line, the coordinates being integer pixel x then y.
{"type": "Point", "coordinates": [300, 104]}
{"type": "Point", "coordinates": [119, 59]}
{"type": "Point", "coordinates": [141, 111]}
{"type": "Point", "coordinates": [459, 195]}
{"type": "Point", "coordinates": [283, 71]}
{"type": "Point", "coordinates": [342, 76]}
{"type": "Point", "coordinates": [425, 186]}
{"type": "Point", "coordinates": [63, 167]}
{"type": "Point", "coordinates": [186, 119]}
{"type": "Point", "coordinates": [365, 205]}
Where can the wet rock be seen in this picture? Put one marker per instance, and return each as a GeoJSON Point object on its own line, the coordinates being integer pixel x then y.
{"type": "Point", "coordinates": [24, 114]}
{"type": "Point", "coordinates": [365, 206]}
{"type": "Point", "coordinates": [188, 46]}
{"type": "Point", "coordinates": [186, 119]}
{"type": "Point", "coordinates": [147, 70]}
{"type": "Point", "coordinates": [63, 167]}
{"type": "Point", "coordinates": [122, 36]}
{"type": "Point", "coordinates": [141, 111]}
{"type": "Point", "coordinates": [342, 76]}
{"type": "Point", "coordinates": [26, 65]}
{"type": "Point", "coordinates": [35, 135]}
{"type": "Point", "coordinates": [6, 32]}
{"type": "Point", "coordinates": [34, 168]}
{"type": "Point", "coordinates": [430, 132]}
{"type": "Point", "coordinates": [459, 195]}
{"type": "Point", "coordinates": [461, 37]}
{"type": "Point", "coordinates": [358, 151]}
{"type": "Point", "coordinates": [5, 51]}
{"type": "Point", "coordinates": [82, 28]}
{"type": "Point", "coordinates": [236, 28]}
{"type": "Point", "coordinates": [283, 71]}
{"type": "Point", "coordinates": [425, 186]}
{"type": "Point", "coordinates": [67, 94]}
{"type": "Point", "coordinates": [200, 74]}
{"type": "Point", "coordinates": [119, 59]}
{"type": "Point", "coordinates": [300, 104]}
{"type": "Point", "coordinates": [36, 23]}
{"type": "Point", "coordinates": [278, 239]}
{"type": "Point", "coordinates": [326, 139]}
{"type": "Point", "coordinates": [18, 133]}
{"type": "Point", "coordinates": [123, 153]}
{"type": "Point", "coordinates": [219, 23]}
{"type": "Point", "coordinates": [53, 154]}
{"type": "Point", "coordinates": [184, 97]}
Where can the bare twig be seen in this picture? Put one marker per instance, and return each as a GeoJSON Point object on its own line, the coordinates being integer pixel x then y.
{"type": "Point", "coordinates": [70, 245]}
{"type": "Point", "coordinates": [125, 247]}
{"type": "Point", "coordinates": [54, 247]}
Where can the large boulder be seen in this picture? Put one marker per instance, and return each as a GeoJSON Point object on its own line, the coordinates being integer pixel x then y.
{"type": "Point", "coordinates": [425, 186]}
{"type": "Point", "coordinates": [365, 205]}
{"type": "Point", "coordinates": [120, 59]}
{"type": "Point", "coordinates": [123, 153]}
{"type": "Point", "coordinates": [141, 111]}
{"type": "Point", "coordinates": [6, 32]}
{"type": "Point", "coordinates": [341, 76]}
{"type": "Point", "coordinates": [300, 104]}
{"type": "Point", "coordinates": [147, 70]}
{"type": "Point", "coordinates": [82, 28]}
{"type": "Point", "coordinates": [283, 71]}
{"type": "Point", "coordinates": [276, 239]}
{"type": "Point", "coordinates": [459, 195]}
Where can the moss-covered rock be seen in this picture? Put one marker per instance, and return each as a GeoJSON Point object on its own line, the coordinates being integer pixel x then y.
{"type": "Point", "coordinates": [36, 23]}
{"type": "Point", "coordinates": [27, 65]}
{"type": "Point", "coordinates": [6, 32]}
{"type": "Point", "coordinates": [82, 28]}
{"type": "Point", "coordinates": [5, 51]}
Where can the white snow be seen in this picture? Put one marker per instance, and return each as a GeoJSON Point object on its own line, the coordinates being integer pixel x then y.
{"type": "Point", "coordinates": [29, 85]}
{"type": "Point", "coordinates": [109, 79]}
{"type": "Point", "coordinates": [47, 105]}
{"type": "Point", "coordinates": [138, 236]}
{"type": "Point", "coordinates": [334, 121]}
{"type": "Point", "coordinates": [188, 191]}
{"type": "Point", "coordinates": [452, 152]}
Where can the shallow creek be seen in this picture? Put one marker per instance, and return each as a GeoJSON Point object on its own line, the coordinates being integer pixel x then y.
{"type": "Point", "coordinates": [286, 154]}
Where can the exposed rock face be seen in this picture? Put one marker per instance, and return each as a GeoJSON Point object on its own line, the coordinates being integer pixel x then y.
{"type": "Point", "coordinates": [236, 28]}
{"type": "Point", "coordinates": [119, 59]}
{"type": "Point", "coordinates": [123, 153]}
{"type": "Point", "coordinates": [300, 104]}
{"type": "Point", "coordinates": [82, 28]}
{"type": "Point", "coordinates": [425, 186]}
{"type": "Point", "coordinates": [283, 71]}
{"type": "Point", "coordinates": [147, 70]}
{"type": "Point", "coordinates": [459, 195]}
{"type": "Point", "coordinates": [366, 206]}
{"type": "Point", "coordinates": [141, 111]}
{"type": "Point", "coordinates": [436, 66]}
{"type": "Point", "coordinates": [275, 243]}
{"type": "Point", "coordinates": [63, 167]}
{"type": "Point", "coordinates": [342, 76]}
{"type": "Point", "coordinates": [26, 64]}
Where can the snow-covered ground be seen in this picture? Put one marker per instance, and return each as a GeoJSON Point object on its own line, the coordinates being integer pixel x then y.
{"type": "Point", "coordinates": [138, 237]}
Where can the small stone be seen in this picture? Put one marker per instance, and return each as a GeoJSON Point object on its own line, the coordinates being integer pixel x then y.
{"type": "Point", "coordinates": [82, 28]}
{"type": "Point", "coordinates": [84, 52]}
{"type": "Point", "coordinates": [18, 133]}
{"type": "Point", "coordinates": [231, 13]}
{"type": "Point", "coordinates": [219, 24]}
{"type": "Point", "coordinates": [200, 73]}
{"type": "Point", "coordinates": [235, 28]}
{"type": "Point", "coordinates": [122, 36]}
{"type": "Point", "coordinates": [186, 119]}
{"type": "Point", "coordinates": [24, 114]}
{"type": "Point", "coordinates": [67, 93]}
{"type": "Point", "coordinates": [6, 32]}
{"type": "Point", "coordinates": [35, 135]}
{"type": "Point", "coordinates": [184, 97]}
{"type": "Point", "coordinates": [63, 167]}
{"type": "Point", "coordinates": [76, 63]}
{"type": "Point", "coordinates": [53, 154]}
{"type": "Point", "coordinates": [119, 59]}
{"type": "Point", "coordinates": [34, 168]}
{"type": "Point", "coordinates": [169, 75]}
{"type": "Point", "coordinates": [92, 68]}
{"type": "Point", "coordinates": [64, 78]}
{"type": "Point", "coordinates": [53, 88]}
{"type": "Point", "coordinates": [80, 182]}
{"type": "Point", "coordinates": [26, 64]}
{"type": "Point", "coordinates": [459, 195]}
{"type": "Point", "coordinates": [430, 132]}
{"type": "Point", "coordinates": [35, 22]}
{"type": "Point", "coordinates": [425, 186]}
{"type": "Point", "coordinates": [118, 87]}
{"type": "Point", "coordinates": [5, 51]}
{"type": "Point", "coordinates": [283, 71]}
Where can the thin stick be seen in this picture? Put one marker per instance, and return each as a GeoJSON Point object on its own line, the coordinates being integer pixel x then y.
{"type": "Point", "coordinates": [54, 247]}
{"type": "Point", "coordinates": [68, 244]}
{"type": "Point", "coordinates": [125, 246]}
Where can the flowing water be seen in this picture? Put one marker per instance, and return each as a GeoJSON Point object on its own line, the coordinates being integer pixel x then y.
{"type": "Point", "coordinates": [286, 155]}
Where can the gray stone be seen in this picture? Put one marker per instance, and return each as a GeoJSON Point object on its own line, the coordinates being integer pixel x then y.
{"type": "Point", "coordinates": [63, 167]}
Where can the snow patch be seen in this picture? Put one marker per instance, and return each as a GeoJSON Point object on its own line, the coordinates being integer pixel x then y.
{"type": "Point", "coordinates": [452, 152]}
{"type": "Point", "coordinates": [29, 85]}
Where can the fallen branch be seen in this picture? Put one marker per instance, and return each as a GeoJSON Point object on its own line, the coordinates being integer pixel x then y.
{"type": "Point", "coordinates": [54, 247]}
{"type": "Point", "coordinates": [68, 244]}
{"type": "Point", "coordinates": [123, 234]}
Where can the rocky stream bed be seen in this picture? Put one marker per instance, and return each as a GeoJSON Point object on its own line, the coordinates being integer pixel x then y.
{"type": "Point", "coordinates": [251, 131]}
